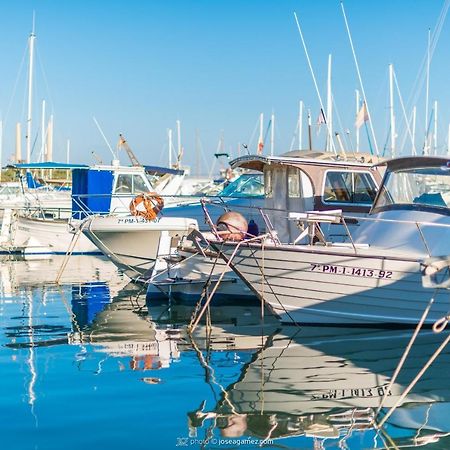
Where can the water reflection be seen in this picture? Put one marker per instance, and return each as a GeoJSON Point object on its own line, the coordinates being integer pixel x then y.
{"type": "Point", "coordinates": [282, 385]}
{"type": "Point", "coordinates": [326, 384]}
{"type": "Point", "coordinates": [302, 385]}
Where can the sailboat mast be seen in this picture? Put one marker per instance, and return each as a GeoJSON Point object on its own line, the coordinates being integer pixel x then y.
{"type": "Point", "coordinates": [329, 118]}
{"type": "Point", "coordinates": [435, 127]}
{"type": "Point", "coordinates": [272, 134]}
{"type": "Point", "coordinates": [169, 136]}
{"type": "Point", "coordinates": [43, 153]}
{"type": "Point", "coordinates": [356, 115]}
{"type": "Point", "coordinates": [427, 95]}
{"type": "Point", "coordinates": [300, 125]}
{"type": "Point", "coordinates": [30, 92]}
{"type": "Point", "coordinates": [391, 108]}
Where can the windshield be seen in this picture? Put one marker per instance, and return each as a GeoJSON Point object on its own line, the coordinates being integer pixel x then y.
{"type": "Point", "coordinates": [428, 186]}
{"type": "Point", "coordinates": [247, 185]}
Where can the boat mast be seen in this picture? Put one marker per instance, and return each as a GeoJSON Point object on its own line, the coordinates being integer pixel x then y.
{"type": "Point", "coordinates": [427, 94]}
{"type": "Point", "coordinates": [272, 134]}
{"type": "Point", "coordinates": [300, 125]}
{"type": "Point", "coordinates": [43, 154]}
{"type": "Point", "coordinates": [360, 80]}
{"type": "Point", "coordinates": [391, 108]}
{"type": "Point", "coordinates": [435, 127]}
{"type": "Point", "coordinates": [313, 77]}
{"type": "Point", "coordinates": [49, 154]}
{"type": "Point", "coordinates": [329, 119]}
{"type": "Point", "coordinates": [30, 91]}
{"type": "Point", "coordinates": [179, 138]}
{"type": "Point", "coordinates": [169, 136]}
{"type": "Point", "coordinates": [414, 129]}
{"type": "Point", "coordinates": [309, 131]}
{"type": "Point", "coordinates": [18, 142]}
{"type": "Point", "coordinates": [356, 115]}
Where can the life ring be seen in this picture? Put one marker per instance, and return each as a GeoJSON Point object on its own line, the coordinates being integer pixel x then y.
{"type": "Point", "coordinates": [152, 203]}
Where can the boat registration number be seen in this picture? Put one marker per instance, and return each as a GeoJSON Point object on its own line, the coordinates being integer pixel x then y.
{"type": "Point", "coordinates": [351, 271]}
{"type": "Point", "coordinates": [136, 220]}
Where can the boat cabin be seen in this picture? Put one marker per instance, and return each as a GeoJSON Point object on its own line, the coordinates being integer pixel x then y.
{"type": "Point", "coordinates": [300, 181]}
{"type": "Point", "coordinates": [110, 189]}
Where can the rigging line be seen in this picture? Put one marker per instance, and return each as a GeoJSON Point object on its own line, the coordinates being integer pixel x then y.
{"type": "Point", "coordinates": [314, 79]}
{"type": "Point", "coordinates": [44, 76]}
{"type": "Point", "coordinates": [348, 142]}
{"type": "Point", "coordinates": [405, 118]}
{"type": "Point", "coordinates": [360, 79]}
{"type": "Point", "coordinates": [15, 84]}
{"type": "Point", "coordinates": [420, 77]}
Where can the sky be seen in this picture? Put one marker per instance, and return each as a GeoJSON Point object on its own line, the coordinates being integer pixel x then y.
{"type": "Point", "coordinates": [139, 66]}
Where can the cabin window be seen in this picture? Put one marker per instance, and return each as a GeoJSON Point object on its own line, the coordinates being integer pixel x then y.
{"type": "Point", "coordinates": [349, 187]}
{"type": "Point", "coordinates": [124, 184]}
{"type": "Point", "coordinates": [139, 185]}
{"type": "Point", "coordinates": [293, 182]}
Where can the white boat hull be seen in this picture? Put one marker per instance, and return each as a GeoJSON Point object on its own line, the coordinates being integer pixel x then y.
{"type": "Point", "coordinates": [331, 285]}
{"type": "Point", "coordinates": [186, 280]}
{"type": "Point", "coordinates": [132, 243]}
{"type": "Point", "coordinates": [40, 236]}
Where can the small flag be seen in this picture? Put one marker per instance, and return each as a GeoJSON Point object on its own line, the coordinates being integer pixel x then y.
{"type": "Point", "coordinates": [260, 146]}
{"type": "Point", "coordinates": [362, 116]}
{"type": "Point", "coordinates": [321, 119]}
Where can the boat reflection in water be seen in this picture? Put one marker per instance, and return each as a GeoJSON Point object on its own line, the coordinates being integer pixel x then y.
{"type": "Point", "coordinates": [326, 384]}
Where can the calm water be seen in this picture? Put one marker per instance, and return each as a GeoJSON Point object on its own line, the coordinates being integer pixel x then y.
{"type": "Point", "coordinates": [92, 364]}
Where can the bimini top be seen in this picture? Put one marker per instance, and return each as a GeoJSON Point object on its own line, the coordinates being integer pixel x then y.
{"type": "Point", "coordinates": [47, 165]}
{"type": "Point", "coordinates": [305, 157]}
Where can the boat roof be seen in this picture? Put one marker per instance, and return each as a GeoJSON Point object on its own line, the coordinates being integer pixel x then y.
{"type": "Point", "coordinates": [415, 162]}
{"type": "Point", "coordinates": [306, 157]}
{"type": "Point", "coordinates": [163, 170]}
{"type": "Point", "coordinates": [47, 165]}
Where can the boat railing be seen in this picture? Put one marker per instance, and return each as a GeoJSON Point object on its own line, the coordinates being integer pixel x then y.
{"type": "Point", "coordinates": [314, 219]}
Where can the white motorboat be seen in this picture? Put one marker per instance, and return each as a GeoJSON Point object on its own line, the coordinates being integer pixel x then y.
{"type": "Point", "coordinates": [98, 190]}
{"type": "Point", "coordinates": [296, 181]}
{"type": "Point", "coordinates": [134, 243]}
{"type": "Point", "coordinates": [381, 276]}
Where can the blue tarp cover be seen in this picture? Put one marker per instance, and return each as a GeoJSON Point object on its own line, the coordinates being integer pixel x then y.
{"type": "Point", "coordinates": [91, 191]}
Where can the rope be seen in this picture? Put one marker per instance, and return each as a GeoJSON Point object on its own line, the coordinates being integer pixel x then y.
{"type": "Point", "coordinates": [405, 353]}
{"type": "Point", "coordinates": [192, 326]}
{"type": "Point", "coordinates": [416, 379]}
{"type": "Point", "coordinates": [72, 244]}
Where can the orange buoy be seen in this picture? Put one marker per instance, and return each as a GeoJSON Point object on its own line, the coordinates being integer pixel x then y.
{"type": "Point", "coordinates": [152, 205]}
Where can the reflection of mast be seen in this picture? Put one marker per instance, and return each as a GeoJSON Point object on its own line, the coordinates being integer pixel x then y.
{"type": "Point", "coordinates": [31, 356]}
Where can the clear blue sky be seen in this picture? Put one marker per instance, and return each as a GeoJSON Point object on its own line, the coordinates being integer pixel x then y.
{"type": "Point", "coordinates": [138, 66]}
